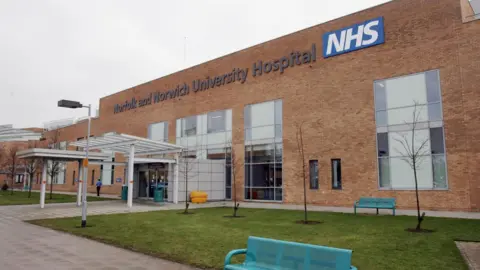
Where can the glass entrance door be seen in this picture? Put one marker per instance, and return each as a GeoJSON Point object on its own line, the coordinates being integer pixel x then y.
{"type": "Point", "coordinates": [143, 184]}
{"type": "Point", "coordinates": [159, 177]}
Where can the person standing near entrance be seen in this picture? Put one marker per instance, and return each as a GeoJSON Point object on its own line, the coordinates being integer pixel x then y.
{"type": "Point", "coordinates": [99, 186]}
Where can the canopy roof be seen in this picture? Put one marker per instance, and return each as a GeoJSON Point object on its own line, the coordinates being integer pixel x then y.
{"type": "Point", "coordinates": [61, 155]}
{"type": "Point", "coordinates": [121, 143]}
{"type": "Point", "coordinates": [8, 133]}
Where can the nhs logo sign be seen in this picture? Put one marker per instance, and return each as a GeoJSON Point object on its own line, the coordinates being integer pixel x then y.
{"type": "Point", "coordinates": [352, 38]}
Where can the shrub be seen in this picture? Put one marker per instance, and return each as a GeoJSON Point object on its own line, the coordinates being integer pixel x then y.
{"type": "Point", "coordinates": [4, 187]}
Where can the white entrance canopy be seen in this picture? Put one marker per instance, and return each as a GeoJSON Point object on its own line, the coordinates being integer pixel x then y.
{"type": "Point", "coordinates": [134, 147]}
{"type": "Point", "coordinates": [8, 133]}
{"type": "Point", "coordinates": [61, 155]}
{"type": "Point", "coordinates": [121, 143]}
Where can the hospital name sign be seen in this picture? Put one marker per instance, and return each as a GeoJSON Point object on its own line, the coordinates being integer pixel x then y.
{"type": "Point", "coordinates": [352, 38]}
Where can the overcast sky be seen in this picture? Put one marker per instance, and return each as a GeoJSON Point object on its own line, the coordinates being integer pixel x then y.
{"type": "Point", "coordinates": [84, 50]}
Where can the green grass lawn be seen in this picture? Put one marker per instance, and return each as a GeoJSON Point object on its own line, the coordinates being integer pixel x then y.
{"type": "Point", "coordinates": [204, 238]}
{"type": "Point", "coordinates": [21, 197]}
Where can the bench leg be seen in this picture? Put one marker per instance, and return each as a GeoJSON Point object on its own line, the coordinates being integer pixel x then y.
{"type": "Point", "coordinates": [377, 211]}
{"type": "Point", "coordinates": [355, 210]}
{"type": "Point", "coordinates": [393, 211]}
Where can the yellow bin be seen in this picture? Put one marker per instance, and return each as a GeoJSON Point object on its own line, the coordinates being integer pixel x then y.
{"type": "Point", "coordinates": [198, 197]}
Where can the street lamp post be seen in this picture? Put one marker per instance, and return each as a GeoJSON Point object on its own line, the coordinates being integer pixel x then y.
{"type": "Point", "coordinates": [75, 105]}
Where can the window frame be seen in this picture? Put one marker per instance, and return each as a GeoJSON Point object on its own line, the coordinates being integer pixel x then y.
{"type": "Point", "coordinates": [384, 129]}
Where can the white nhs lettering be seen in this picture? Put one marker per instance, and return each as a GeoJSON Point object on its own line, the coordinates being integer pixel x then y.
{"type": "Point", "coordinates": [353, 38]}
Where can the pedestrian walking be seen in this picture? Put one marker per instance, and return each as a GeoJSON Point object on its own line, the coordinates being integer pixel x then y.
{"type": "Point", "coordinates": [99, 186]}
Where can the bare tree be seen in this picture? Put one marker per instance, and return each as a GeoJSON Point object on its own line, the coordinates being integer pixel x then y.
{"type": "Point", "coordinates": [235, 166]}
{"type": "Point", "coordinates": [414, 152]}
{"type": "Point", "coordinates": [11, 163]}
{"type": "Point", "coordinates": [32, 166]}
{"type": "Point", "coordinates": [53, 166]}
{"type": "Point", "coordinates": [186, 166]}
{"type": "Point", "coordinates": [301, 152]}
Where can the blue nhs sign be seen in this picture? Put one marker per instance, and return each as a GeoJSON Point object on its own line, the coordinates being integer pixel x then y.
{"type": "Point", "coordinates": [352, 38]}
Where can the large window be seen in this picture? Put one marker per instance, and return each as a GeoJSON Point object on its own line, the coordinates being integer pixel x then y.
{"type": "Point", "coordinates": [408, 113]}
{"type": "Point", "coordinates": [158, 131]}
{"type": "Point", "coordinates": [208, 136]}
{"type": "Point", "coordinates": [263, 151]}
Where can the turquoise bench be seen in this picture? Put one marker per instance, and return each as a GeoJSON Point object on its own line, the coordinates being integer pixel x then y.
{"type": "Point", "coordinates": [264, 253]}
{"type": "Point", "coordinates": [378, 203]}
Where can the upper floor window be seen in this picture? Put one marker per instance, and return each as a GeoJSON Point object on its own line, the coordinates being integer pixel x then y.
{"type": "Point", "coordinates": [263, 121]}
{"type": "Point", "coordinates": [216, 122]}
{"type": "Point", "coordinates": [158, 131]}
{"type": "Point", "coordinates": [189, 126]}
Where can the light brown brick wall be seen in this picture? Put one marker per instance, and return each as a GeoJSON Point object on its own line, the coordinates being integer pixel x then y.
{"type": "Point", "coordinates": [334, 97]}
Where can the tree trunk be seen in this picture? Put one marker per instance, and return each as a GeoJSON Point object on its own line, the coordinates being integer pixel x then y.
{"type": "Point", "coordinates": [419, 218]}
{"type": "Point", "coordinates": [30, 186]}
{"type": "Point", "coordinates": [51, 186]}
{"type": "Point", "coordinates": [186, 187]}
{"type": "Point", "coordinates": [304, 193]}
{"type": "Point", "coordinates": [11, 186]}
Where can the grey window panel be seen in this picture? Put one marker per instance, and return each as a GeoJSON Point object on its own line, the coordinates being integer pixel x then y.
{"type": "Point", "coordinates": [247, 117]}
{"type": "Point", "coordinates": [439, 171]}
{"type": "Point", "coordinates": [433, 86]}
{"type": "Point", "coordinates": [436, 140]}
{"type": "Point", "coordinates": [380, 96]}
{"type": "Point", "coordinates": [216, 121]}
{"type": "Point", "coordinates": [278, 112]}
{"type": "Point", "coordinates": [384, 172]}
{"type": "Point", "coordinates": [381, 118]}
{"type": "Point", "coordinates": [382, 144]}
{"type": "Point", "coordinates": [435, 112]}
{"type": "Point", "coordinates": [189, 126]}
{"type": "Point", "coordinates": [313, 166]}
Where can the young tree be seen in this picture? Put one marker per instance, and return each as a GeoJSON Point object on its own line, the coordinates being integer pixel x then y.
{"type": "Point", "coordinates": [32, 166]}
{"type": "Point", "coordinates": [301, 152]}
{"type": "Point", "coordinates": [12, 163]}
{"type": "Point", "coordinates": [53, 166]}
{"type": "Point", "coordinates": [187, 168]}
{"type": "Point", "coordinates": [414, 150]}
{"type": "Point", "coordinates": [235, 166]}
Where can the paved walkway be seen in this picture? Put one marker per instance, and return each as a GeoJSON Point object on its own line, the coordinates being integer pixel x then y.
{"type": "Point", "coordinates": [471, 253]}
{"type": "Point", "coordinates": [24, 246]}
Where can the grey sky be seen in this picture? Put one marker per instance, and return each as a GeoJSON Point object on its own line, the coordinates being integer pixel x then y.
{"type": "Point", "coordinates": [84, 50]}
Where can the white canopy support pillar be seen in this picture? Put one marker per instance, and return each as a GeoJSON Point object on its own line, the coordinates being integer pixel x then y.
{"type": "Point", "coordinates": [131, 159]}
{"type": "Point", "coordinates": [79, 183]}
{"type": "Point", "coordinates": [175, 179]}
{"type": "Point", "coordinates": [44, 183]}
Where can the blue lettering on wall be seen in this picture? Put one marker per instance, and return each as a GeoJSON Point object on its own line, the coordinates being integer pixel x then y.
{"type": "Point", "coordinates": [355, 37]}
